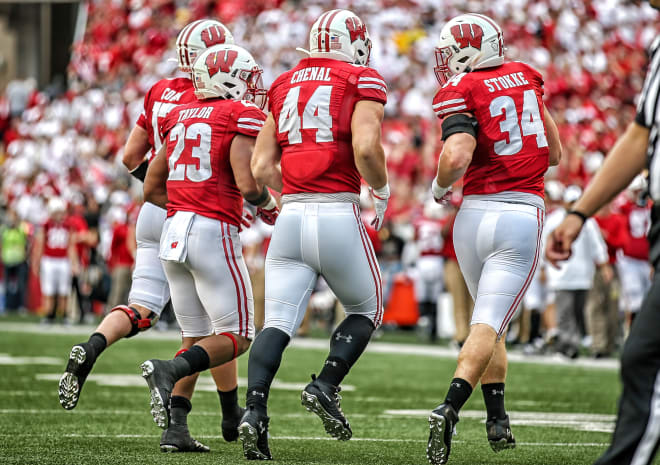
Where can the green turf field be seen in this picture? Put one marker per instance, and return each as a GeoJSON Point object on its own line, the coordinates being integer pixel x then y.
{"type": "Point", "coordinates": [561, 414]}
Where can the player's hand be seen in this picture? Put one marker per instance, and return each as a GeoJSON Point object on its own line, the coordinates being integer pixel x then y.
{"type": "Point", "coordinates": [381, 197]}
{"type": "Point", "coordinates": [268, 215]}
{"type": "Point", "coordinates": [558, 247]}
{"type": "Point", "coordinates": [246, 220]}
{"type": "Point", "coordinates": [441, 195]}
{"type": "Point", "coordinates": [607, 273]}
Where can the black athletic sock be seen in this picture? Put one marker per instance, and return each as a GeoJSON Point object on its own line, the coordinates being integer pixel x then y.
{"type": "Point", "coordinates": [191, 361]}
{"type": "Point", "coordinates": [535, 326]}
{"type": "Point", "coordinates": [179, 409]}
{"type": "Point", "coordinates": [459, 392]}
{"type": "Point", "coordinates": [346, 345]}
{"type": "Point", "coordinates": [53, 310]}
{"type": "Point", "coordinates": [494, 399]}
{"type": "Point", "coordinates": [229, 402]}
{"type": "Point", "coordinates": [98, 343]}
{"type": "Point", "coordinates": [265, 359]}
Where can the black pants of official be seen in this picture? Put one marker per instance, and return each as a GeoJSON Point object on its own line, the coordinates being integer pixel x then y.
{"type": "Point", "coordinates": [637, 433]}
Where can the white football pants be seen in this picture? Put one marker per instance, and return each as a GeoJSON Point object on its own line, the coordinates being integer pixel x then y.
{"type": "Point", "coordinates": [211, 289]}
{"type": "Point", "coordinates": [498, 246]}
{"type": "Point", "coordinates": [320, 239]}
{"type": "Point", "coordinates": [55, 276]}
{"type": "Point", "coordinates": [429, 278]}
{"type": "Point", "coordinates": [635, 276]}
{"type": "Point", "coordinates": [149, 287]}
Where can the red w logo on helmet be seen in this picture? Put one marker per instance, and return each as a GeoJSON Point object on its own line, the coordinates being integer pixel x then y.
{"type": "Point", "coordinates": [355, 28]}
{"type": "Point", "coordinates": [213, 35]}
{"type": "Point", "coordinates": [221, 61]}
{"type": "Point", "coordinates": [468, 35]}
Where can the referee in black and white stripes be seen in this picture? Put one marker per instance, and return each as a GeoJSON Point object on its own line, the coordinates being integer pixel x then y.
{"type": "Point", "coordinates": [637, 433]}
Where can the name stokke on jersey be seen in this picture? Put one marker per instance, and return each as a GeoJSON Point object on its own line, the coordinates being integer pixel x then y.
{"type": "Point", "coordinates": [56, 238]}
{"type": "Point", "coordinates": [162, 98]}
{"type": "Point", "coordinates": [312, 105]}
{"type": "Point", "coordinates": [199, 137]}
{"type": "Point", "coordinates": [512, 147]}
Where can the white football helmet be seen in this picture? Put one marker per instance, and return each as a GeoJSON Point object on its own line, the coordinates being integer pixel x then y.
{"type": "Point", "coordinates": [467, 42]}
{"type": "Point", "coordinates": [340, 34]}
{"type": "Point", "coordinates": [197, 37]}
{"type": "Point", "coordinates": [56, 205]}
{"type": "Point", "coordinates": [229, 72]}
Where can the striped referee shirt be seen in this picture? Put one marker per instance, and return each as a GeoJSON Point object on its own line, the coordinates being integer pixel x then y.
{"type": "Point", "coordinates": [648, 116]}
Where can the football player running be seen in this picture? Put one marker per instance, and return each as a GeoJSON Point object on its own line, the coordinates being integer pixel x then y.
{"type": "Point", "coordinates": [200, 175]}
{"type": "Point", "coordinates": [322, 134]}
{"type": "Point", "coordinates": [500, 138]}
{"type": "Point", "coordinates": [149, 290]}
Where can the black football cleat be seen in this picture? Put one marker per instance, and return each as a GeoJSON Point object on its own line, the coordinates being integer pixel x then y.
{"type": "Point", "coordinates": [499, 433]}
{"type": "Point", "coordinates": [177, 438]}
{"type": "Point", "coordinates": [161, 379]}
{"type": "Point", "coordinates": [230, 424]}
{"type": "Point", "coordinates": [323, 400]}
{"type": "Point", "coordinates": [442, 423]}
{"type": "Point", "coordinates": [253, 432]}
{"type": "Point", "coordinates": [81, 361]}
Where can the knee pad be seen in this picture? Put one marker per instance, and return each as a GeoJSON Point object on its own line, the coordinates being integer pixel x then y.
{"type": "Point", "coordinates": [137, 322]}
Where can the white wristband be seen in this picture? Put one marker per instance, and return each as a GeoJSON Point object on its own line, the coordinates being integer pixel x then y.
{"type": "Point", "coordinates": [383, 193]}
{"type": "Point", "coordinates": [271, 203]}
{"type": "Point", "coordinates": [438, 191]}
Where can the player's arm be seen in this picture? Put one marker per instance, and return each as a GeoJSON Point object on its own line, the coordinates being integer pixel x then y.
{"type": "Point", "coordinates": [625, 161]}
{"type": "Point", "coordinates": [38, 249]}
{"type": "Point", "coordinates": [72, 252]}
{"type": "Point", "coordinates": [554, 144]}
{"type": "Point", "coordinates": [265, 164]}
{"type": "Point", "coordinates": [135, 150]}
{"type": "Point", "coordinates": [155, 182]}
{"type": "Point", "coordinates": [459, 131]}
{"type": "Point", "coordinates": [369, 155]}
{"type": "Point", "coordinates": [367, 147]}
{"type": "Point", "coordinates": [240, 157]}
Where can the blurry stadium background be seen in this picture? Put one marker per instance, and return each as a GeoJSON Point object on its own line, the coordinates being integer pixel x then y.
{"type": "Point", "coordinates": [72, 79]}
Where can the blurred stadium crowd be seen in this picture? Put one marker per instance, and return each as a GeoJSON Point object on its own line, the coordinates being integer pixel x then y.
{"type": "Point", "coordinates": [66, 142]}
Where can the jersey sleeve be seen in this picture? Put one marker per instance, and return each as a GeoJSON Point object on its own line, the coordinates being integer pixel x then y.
{"type": "Point", "coordinates": [249, 118]}
{"type": "Point", "coordinates": [142, 119]}
{"type": "Point", "coordinates": [537, 78]}
{"type": "Point", "coordinates": [371, 86]}
{"type": "Point", "coordinates": [450, 100]}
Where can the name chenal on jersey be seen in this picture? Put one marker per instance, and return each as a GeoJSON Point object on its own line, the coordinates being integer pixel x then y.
{"type": "Point", "coordinates": [314, 73]}
{"type": "Point", "coordinates": [200, 112]}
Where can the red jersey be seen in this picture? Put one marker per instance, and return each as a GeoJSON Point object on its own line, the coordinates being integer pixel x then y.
{"type": "Point", "coordinates": [79, 225]}
{"type": "Point", "coordinates": [448, 246]}
{"type": "Point", "coordinates": [612, 227]}
{"type": "Point", "coordinates": [428, 232]}
{"type": "Point", "coordinates": [56, 238]}
{"type": "Point", "coordinates": [512, 147]}
{"type": "Point", "coordinates": [312, 105]}
{"type": "Point", "coordinates": [200, 134]}
{"type": "Point", "coordinates": [163, 96]}
{"type": "Point", "coordinates": [120, 255]}
{"type": "Point", "coordinates": [637, 225]}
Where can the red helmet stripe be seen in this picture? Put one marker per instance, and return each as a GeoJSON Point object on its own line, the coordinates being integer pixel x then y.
{"type": "Point", "coordinates": [320, 28]}
{"type": "Point", "coordinates": [327, 29]}
{"type": "Point", "coordinates": [187, 36]}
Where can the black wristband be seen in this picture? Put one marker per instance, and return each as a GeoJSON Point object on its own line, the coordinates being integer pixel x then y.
{"type": "Point", "coordinates": [579, 214]}
{"type": "Point", "coordinates": [261, 199]}
{"type": "Point", "coordinates": [141, 171]}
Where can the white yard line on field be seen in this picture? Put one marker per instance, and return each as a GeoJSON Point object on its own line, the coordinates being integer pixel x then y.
{"type": "Point", "coordinates": [322, 344]}
{"type": "Point", "coordinates": [298, 438]}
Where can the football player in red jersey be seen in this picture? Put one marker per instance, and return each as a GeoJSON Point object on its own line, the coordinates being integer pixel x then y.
{"type": "Point", "coordinates": [500, 138]}
{"type": "Point", "coordinates": [322, 134]}
{"type": "Point", "coordinates": [149, 290]}
{"type": "Point", "coordinates": [55, 258]}
{"type": "Point", "coordinates": [201, 175]}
